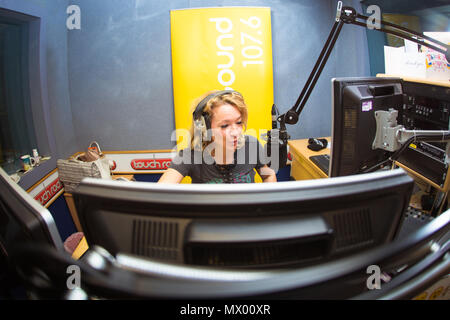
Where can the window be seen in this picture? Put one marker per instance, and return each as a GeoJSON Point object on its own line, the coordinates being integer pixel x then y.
{"type": "Point", "coordinates": [17, 132]}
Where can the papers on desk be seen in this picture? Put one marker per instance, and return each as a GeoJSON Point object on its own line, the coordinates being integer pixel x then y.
{"type": "Point", "coordinates": [407, 61]}
{"type": "Point", "coordinates": [407, 64]}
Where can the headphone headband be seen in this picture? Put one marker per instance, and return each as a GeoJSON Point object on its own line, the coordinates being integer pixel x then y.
{"type": "Point", "coordinates": [198, 112]}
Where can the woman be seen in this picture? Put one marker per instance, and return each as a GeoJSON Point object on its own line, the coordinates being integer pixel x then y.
{"type": "Point", "coordinates": [219, 152]}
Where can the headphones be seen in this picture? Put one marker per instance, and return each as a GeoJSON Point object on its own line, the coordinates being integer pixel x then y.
{"type": "Point", "coordinates": [202, 120]}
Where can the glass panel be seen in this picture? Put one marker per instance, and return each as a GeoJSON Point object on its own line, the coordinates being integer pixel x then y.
{"type": "Point", "coordinates": [17, 134]}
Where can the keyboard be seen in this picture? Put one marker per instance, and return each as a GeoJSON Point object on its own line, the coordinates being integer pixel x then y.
{"type": "Point", "coordinates": [322, 161]}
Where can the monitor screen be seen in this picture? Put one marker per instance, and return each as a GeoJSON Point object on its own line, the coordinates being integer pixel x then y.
{"type": "Point", "coordinates": [355, 101]}
{"type": "Point", "coordinates": [247, 225]}
{"type": "Point", "coordinates": [23, 219]}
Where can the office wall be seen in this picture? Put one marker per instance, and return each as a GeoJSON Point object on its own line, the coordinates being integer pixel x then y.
{"type": "Point", "coordinates": [119, 67]}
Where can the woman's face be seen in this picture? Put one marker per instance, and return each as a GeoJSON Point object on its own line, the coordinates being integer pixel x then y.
{"type": "Point", "coordinates": [226, 125]}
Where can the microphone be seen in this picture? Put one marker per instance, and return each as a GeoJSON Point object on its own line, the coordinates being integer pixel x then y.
{"type": "Point", "coordinates": [274, 116]}
{"type": "Point", "coordinates": [277, 141]}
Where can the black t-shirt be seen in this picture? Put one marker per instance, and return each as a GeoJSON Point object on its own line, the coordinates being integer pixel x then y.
{"type": "Point", "coordinates": [201, 167]}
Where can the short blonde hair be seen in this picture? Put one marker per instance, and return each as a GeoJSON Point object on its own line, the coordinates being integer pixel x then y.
{"type": "Point", "coordinates": [233, 98]}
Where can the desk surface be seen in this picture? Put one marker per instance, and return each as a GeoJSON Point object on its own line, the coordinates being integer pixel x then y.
{"type": "Point", "coordinates": [302, 146]}
{"type": "Point", "coordinates": [302, 168]}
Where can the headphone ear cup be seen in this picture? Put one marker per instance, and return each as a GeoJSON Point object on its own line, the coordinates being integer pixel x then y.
{"type": "Point", "coordinates": [201, 132]}
{"type": "Point", "coordinates": [207, 129]}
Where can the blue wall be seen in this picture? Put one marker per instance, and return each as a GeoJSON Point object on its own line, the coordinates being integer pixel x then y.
{"type": "Point", "coordinates": [120, 67]}
{"type": "Point", "coordinates": [111, 81]}
{"type": "Point", "coordinates": [58, 78]}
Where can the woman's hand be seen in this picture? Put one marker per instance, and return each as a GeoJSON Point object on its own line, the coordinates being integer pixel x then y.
{"type": "Point", "coordinates": [267, 174]}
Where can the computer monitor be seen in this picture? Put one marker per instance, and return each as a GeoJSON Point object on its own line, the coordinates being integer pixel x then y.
{"type": "Point", "coordinates": [245, 225]}
{"type": "Point", "coordinates": [22, 219]}
{"type": "Point", "coordinates": [354, 103]}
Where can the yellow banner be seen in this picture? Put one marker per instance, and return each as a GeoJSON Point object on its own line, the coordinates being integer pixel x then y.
{"type": "Point", "coordinates": [223, 48]}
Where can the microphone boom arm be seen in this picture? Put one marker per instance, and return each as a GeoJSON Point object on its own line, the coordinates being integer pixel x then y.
{"type": "Point", "coordinates": [349, 15]}
{"type": "Point", "coordinates": [344, 15]}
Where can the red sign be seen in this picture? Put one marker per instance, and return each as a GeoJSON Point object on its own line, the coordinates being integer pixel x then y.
{"type": "Point", "coordinates": [150, 164]}
{"type": "Point", "coordinates": [114, 165]}
{"type": "Point", "coordinates": [49, 192]}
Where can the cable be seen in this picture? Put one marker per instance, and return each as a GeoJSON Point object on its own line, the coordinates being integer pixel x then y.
{"type": "Point", "coordinates": [423, 138]}
{"type": "Point", "coordinates": [396, 154]}
{"type": "Point", "coordinates": [376, 166]}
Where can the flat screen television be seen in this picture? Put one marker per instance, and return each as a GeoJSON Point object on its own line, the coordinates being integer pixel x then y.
{"type": "Point", "coordinates": [247, 225]}
{"type": "Point", "coordinates": [355, 101]}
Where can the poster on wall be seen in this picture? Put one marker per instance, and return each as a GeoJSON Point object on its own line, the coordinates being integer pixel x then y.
{"type": "Point", "coordinates": [221, 49]}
